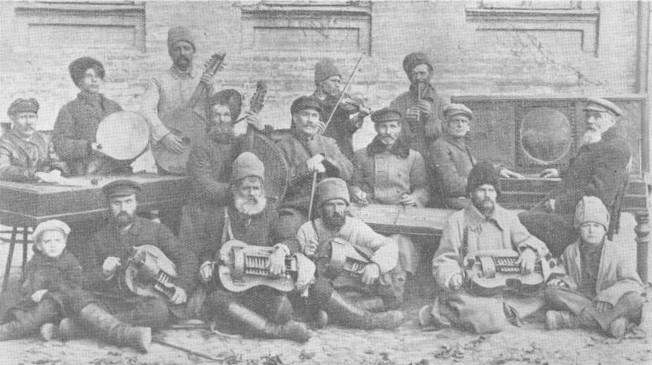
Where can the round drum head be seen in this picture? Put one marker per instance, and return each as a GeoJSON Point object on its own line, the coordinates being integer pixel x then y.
{"type": "Point", "coordinates": [123, 135]}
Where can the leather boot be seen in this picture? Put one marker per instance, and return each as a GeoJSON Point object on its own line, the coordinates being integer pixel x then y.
{"type": "Point", "coordinates": [348, 314]}
{"type": "Point", "coordinates": [557, 320]}
{"type": "Point", "coordinates": [618, 327]}
{"type": "Point", "coordinates": [49, 331]}
{"type": "Point", "coordinates": [291, 330]}
{"type": "Point", "coordinates": [29, 322]}
{"type": "Point", "coordinates": [69, 329]}
{"type": "Point", "coordinates": [107, 327]}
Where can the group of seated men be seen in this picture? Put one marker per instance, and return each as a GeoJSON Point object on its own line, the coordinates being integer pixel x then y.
{"type": "Point", "coordinates": [419, 152]}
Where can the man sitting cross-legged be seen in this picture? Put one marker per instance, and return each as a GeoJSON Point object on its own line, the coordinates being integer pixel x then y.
{"type": "Point", "coordinates": [602, 290]}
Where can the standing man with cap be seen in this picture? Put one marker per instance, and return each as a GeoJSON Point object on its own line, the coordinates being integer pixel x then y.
{"type": "Point", "coordinates": [308, 152]}
{"type": "Point", "coordinates": [598, 169]}
{"type": "Point", "coordinates": [380, 276]}
{"type": "Point", "coordinates": [76, 126]}
{"type": "Point", "coordinates": [105, 258]}
{"type": "Point", "coordinates": [421, 106]}
{"type": "Point", "coordinates": [602, 289]}
{"type": "Point", "coordinates": [482, 226]}
{"type": "Point", "coordinates": [387, 171]}
{"type": "Point", "coordinates": [347, 119]}
{"type": "Point", "coordinates": [452, 159]}
{"type": "Point", "coordinates": [251, 218]}
{"type": "Point", "coordinates": [173, 88]}
{"type": "Point", "coordinates": [27, 155]}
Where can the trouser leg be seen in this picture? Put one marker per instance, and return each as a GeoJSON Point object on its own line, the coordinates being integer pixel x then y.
{"type": "Point", "coordinates": [27, 322]}
{"type": "Point", "coordinates": [147, 312]}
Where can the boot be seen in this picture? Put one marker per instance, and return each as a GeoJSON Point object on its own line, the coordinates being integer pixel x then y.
{"type": "Point", "coordinates": [557, 320]}
{"type": "Point", "coordinates": [618, 327]}
{"type": "Point", "coordinates": [291, 330]}
{"type": "Point", "coordinates": [26, 323]}
{"type": "Point", "coordinates": [70, 329]}
{"type": "Point", "coordinates": [348, 314]}
{"type": "Point", "coordinates": [110, 328]}
{"type": "Point", "coordinates": [49, 331]}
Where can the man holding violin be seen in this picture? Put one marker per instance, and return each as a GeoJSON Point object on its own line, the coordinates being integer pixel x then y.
{"type": "Point", "coordinates": [350, 112]}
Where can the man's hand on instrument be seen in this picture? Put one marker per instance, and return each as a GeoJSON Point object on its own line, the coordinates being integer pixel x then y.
{"type": "Point", "coordinates": [321, 128]}
{"type": "Point", "coordinates": [549, 206]}
{"type": "Point", "coordinates": [425, 108]}
{"type": "Point", "coordinates": [310, 248]}
{"type": "Point", "coordinates": [38, 295]}
{"type": "Point", "coordinates": [408, 200]}
{"type": "Point", "coordinates": [254, 120]}
{"type": "Point", "coordinates": [206, 271]}
{"type": "Point", "coordinates": [207, 77]}
{"type": "Point", "coordinates": [557, 282]}
{"type": "Point", "coordinates": [527, 259]}
{"type": "Point", "coordinates": [456, 281]}
{"type": "Point", "coordinates": [371, 273]}
{"type": "Point", "coordinates": [180, 296]}
{"type": "Point", "coordinates": [549, 173]}
{"type": "Point", "coordinates": [360, 197]}
{"type": "Point", "coordinates": [277, 262]}
{"type": "Point", "coordinates": [109, 266]}
{"type": "Point", "coordinates": [315, 163]}
{"type": "Point", "coordinates": [173, 143]}
{"type": "Point", "coordinates": [601, 306]}
{"type": "Point", "coordinates": [412, 113]}
{"type": "Point", "coordinates": [509, 174]}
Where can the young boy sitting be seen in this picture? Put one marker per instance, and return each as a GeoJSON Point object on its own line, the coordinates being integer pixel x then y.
{"type": "Point", "coordinates": [51, 266]}
{"type": "Point", "coordinates": [601, 290]}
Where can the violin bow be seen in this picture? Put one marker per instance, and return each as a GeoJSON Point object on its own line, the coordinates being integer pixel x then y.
{"type": "Point", "coordinates": [348, 82]}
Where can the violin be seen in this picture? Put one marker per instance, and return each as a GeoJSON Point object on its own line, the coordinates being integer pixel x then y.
{"type": "Point", "coordinates": [349, 104]}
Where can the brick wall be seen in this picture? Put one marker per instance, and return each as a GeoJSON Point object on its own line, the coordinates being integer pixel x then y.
{"type": "Point", "coordinates": [466, 61]}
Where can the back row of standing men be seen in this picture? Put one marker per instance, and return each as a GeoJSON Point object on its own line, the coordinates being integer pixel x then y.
{"type": "Point", "coordinates": [228, 200]}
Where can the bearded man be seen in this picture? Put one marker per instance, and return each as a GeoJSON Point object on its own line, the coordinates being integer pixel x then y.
{"type": "Point", "coordinates": [106, 256]}
{"type": "Point", "coordinates": [482, 226]}
{"type": "Point", "coordinates": [599, 169]}
{"type": "Point", "coordinates": [261, 311]}
{"type": "Point", "coordinates": [380, 276]}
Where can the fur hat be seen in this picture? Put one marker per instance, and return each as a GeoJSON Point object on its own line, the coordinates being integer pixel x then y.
{"type": "Point", "coordinates": [229, 97]}
{"type": "Point", "coordinates": [79, 66]}
{"type": "Point", "coordinates": [245, 165]}
{"type": "Point", "coordinates": [178, 34]}
{"type": "Point", "coordinates": [23, 106]}
{"type": "Point", "coordinates": [482, 173]}
{"type": "Point", "coordinates": [51, 225]}
{"type": "Point", "coordinates": [332, 188]}
{"type": "Point", "coordinates": [415, 59]}
{"type": "Point", "coordinates": [305, 102]}
{"type": "Point", "coordinates": [591, 209]}
{"type": "Point", "coordinates": [324, 69]}
{"type": "Point", "coordinates": [122, 187]}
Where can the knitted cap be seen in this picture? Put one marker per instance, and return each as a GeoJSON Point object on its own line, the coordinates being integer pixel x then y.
{"type": "Point", "coordinates": [324, 69]}
{"type": "Point", "coordinates": [245, 165]}
{"type": "Point", "coordinates": [482, 173]}
{"type": "Point", "coordinates": [51, 225]}
{"type": "Point", "coordinates": [591, 209]}
{"type": "Point", "coordinates": [23, 106]}
{"type": "Point", "coordinates": [79, 66]}
{"type": "Point", "coordinates": [332, 188]}
{"type": "Point", "coordinates": [415, 59]}
{"type": "Point", "coordinates": [178, 34]}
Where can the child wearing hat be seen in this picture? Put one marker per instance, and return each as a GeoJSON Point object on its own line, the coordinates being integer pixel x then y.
{"type": "Point", "coordinates": [602, 290]}
{"type": "Point", "coordinates": [51, 267]}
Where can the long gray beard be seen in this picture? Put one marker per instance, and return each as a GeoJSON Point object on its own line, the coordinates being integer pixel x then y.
{"type": "Point", "coordinates": [591, 136]}
{"type": "Point", "coordinates": [250, 206]}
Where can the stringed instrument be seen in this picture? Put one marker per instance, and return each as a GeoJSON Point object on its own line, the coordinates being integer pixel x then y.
{"type": "Point", "coordinates": [149, 272]}
{"type": "Point", "coordinates": [492, 272]}
{"type": "Point", "coordinates": [344, 258]}
{"type": "Point", "coordinates": [242, 267]}
{"type": "Point", "coordinates": [187, 123]}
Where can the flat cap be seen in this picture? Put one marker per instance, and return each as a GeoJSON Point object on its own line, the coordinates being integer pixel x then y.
{"type": "Point", "coordinates": [602, 105]}
{"type": "Point", "coordinates": [455, 109]}
{"type": "Point", "coordinates": [23, 106]}
{"type": "Point", "coordinates": [121, 187]}
{"type": "Point", "coordinates": [51, 225]}
{"type": "Point", "coordinates": [386, 115]}
{"type": "Point", "coordinates": [415, 59]}
{"type": "Point", "coordinates": [79, 66]}
{"type": "Point", "coordinates": [305, 102]}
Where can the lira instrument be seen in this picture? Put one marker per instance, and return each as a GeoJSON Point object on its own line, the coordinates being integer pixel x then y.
{"type": "Point", "coordinates": [242, 267]}
{"type": "Point", "coordinates": [493, 272]}
{"type": "Point", "coordinates": [186, 123]}
{"type": "Point", "coordinates": [150, 273]}
{"type": "Point", "coordinates": [345, 259]}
